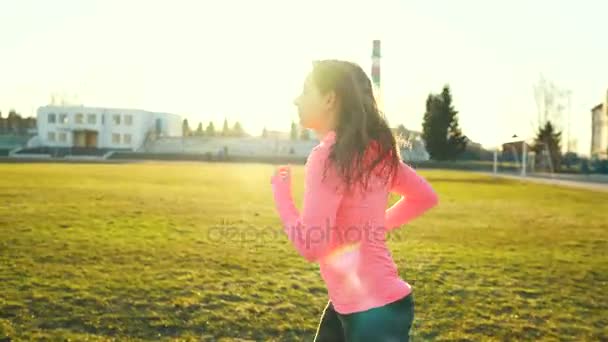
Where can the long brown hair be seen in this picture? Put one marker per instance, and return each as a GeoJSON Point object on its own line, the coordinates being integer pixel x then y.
{"type": "Point", "coordinates": [364, 142]}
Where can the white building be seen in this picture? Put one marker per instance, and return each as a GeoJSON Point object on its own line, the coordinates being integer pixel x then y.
{"type": "Point", "coordinates": [599, 130]}
{"type": "Point", "coordinates": [112, 128]}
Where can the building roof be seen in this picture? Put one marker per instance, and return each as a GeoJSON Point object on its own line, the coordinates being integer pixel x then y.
{"type": "Point", "coordinates": [516, 144]}
{"type": "Point", "coordinates": [598, 107]}
{"type": "Point", "coordinates": [113, 109]}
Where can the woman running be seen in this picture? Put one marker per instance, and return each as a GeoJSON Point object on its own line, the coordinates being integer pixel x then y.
{"type": "Point", "coordinates": [344, 220]}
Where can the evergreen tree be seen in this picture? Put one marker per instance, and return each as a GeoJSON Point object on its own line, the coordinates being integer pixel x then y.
{"type": "Point", "coordinates": [185, 128]}
{"type": "Point", "coordinates": [238, 130]}
{"type": "Point", "coordinates": [226, 129]}
{"type": "Point", "coordinates": [442, 135]}
{"type": "Point", "coordinates": [210, 131]}
{"type": "Point", "coordinates": [294, 131]}
{"type": "Point", "coordinates": [549, 140]}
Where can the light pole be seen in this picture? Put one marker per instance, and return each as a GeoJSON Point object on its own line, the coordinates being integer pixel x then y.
{"type": "Point", "coordinates": [495, 168]}
{"type": "Point", "coordinates": [523, 156]}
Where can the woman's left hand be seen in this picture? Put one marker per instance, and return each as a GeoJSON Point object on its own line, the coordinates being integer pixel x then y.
{"type": "Point", "coordinates": [281, 174]}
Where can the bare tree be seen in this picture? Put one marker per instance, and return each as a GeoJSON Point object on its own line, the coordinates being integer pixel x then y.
{"type": "Point", "coordinates": [552, 102]}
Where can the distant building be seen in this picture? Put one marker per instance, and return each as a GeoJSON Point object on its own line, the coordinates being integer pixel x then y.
{"type": "Point", "coordinates": [411, 145]}
{"type": "Point", "coordinates": [234, 146]}
{"type": "Point", "coordinates": [514, 149]}
{"type": "Point", "coordinates": [476, 151]}
{"type": "Point", "coordinates": [275, 144]}
{"type": "Point", "coordinates": [108, 128]}
{"type": "Point", "coordinates": [599, 130]}
{"type": "Point", "coordinates": [278, 135]}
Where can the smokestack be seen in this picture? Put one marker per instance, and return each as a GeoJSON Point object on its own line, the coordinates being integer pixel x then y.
{"type": "Point", "coordinates": [606, 106]}
{"type": "Point", "coordinates": [376, 74]}
{"type": "Point", "coordinates": [376, 64]}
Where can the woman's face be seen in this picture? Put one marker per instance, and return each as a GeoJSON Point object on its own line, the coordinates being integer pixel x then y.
{"type": "Point", "coordinates": [314, 108]}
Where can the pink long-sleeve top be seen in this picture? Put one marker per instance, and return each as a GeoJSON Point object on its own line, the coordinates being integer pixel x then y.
{"type": "Point", "coordinates": [345, 233]}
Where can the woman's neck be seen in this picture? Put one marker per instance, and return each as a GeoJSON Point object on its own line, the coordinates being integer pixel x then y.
{"type": "Point", "coordinates": [322, 133]}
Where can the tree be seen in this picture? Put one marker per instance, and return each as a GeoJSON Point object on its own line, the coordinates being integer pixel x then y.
{"type": "Point", "coordinates": [28, 124]}
{"type": "Point", "coordinates": [440, 130]}
{"type": "Point", "coordinates": [2, 124]}
{"type": "Point", "coordinates": [294, 131]}
{"type": "Point", "coordinates": [210, 130]}
{"type": "Point", "coordinates": [570, 159]}
{"type": "Point", "coordinates": [185, 128]}
{"type": "Point", "coordinates": [13, 122]}
{"type": "Point", "coordinates": [264, 133]}
{"type": "Point", "coordinates": [548, 140]}
{"type": "Point", "coordinates": [402, 131]}
{"type": "Point", "coordinates": [237, 130]}
{"type": "Point", "coordinates": [225, 130]}
{"type": "Point", "coordinates": [457, 142]}
{"type": "Point", "coordinates": [199, 130]}
{"type": "Point", "coordinates": [304, 134]}
{"type": "Point", "coordinates": [585, 166]}
{"type": "Point", "coordinates": [433, 131]}
{"type": "Point", "coordinates": [31, 123]}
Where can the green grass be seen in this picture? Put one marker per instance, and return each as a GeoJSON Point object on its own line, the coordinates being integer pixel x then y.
{"type": "Point", "coordinates": [135, 252]}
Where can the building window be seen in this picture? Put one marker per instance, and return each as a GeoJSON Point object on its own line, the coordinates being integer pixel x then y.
{"type": "Point", "coordinates": [115, 138]}
{"type": "Point", "coordinates": [116, 118]}
{"type": "Point", "coordinates": [91, 119]}
{"type": "Point", "coordinates": [52, 118]}
{"type": "Point", "coordinates": [51, 136]}
{"type": "Point", "coordinates": [63, 118]}
{"type": "Point", "coordinates": [126, 138]}
{"type": "Point", "coordinates": [79, 118]}
{"type": "Point", "coordinates": [63, 137]}
{"type": "Point", "coordinates": [103, 121]}
{"type": "Point", "coordinates": [128, 120]}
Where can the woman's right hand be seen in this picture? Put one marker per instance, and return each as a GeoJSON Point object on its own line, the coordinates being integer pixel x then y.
{"type": "Point", "coordinates": [282, 173]}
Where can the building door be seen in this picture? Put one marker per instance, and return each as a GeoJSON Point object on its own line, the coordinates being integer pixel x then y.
{"type": "Point", "coordinates": [85, 139]}
{"type": "Point", "coordinates": [79, 139]}
{"type": "Point", "coordinates": [91, 139]}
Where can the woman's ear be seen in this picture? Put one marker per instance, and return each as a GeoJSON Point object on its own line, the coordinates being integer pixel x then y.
{"type": "Point", "coordinates": [331, 100]}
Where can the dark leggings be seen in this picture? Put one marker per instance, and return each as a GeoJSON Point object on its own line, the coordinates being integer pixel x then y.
{"type": "Point", "coordinates": [391, 322]}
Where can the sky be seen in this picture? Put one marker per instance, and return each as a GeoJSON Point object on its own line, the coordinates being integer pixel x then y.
{"type": "Point", "coordinates": [246, 60]}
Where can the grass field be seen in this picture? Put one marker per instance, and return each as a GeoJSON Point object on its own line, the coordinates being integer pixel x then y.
{"type": "Point", "coordinates": [194, 251]}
